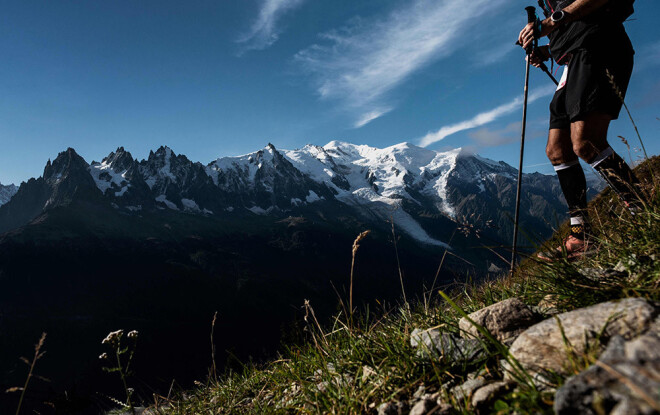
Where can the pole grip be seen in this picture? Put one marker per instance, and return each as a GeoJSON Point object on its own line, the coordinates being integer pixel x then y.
{"type": "Point", "coordinates": [531, 18]}
{"type": "Point", "coordinates": [531, 14]}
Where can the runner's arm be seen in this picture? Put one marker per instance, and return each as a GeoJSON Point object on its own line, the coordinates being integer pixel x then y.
{"type": "Point", "coordinates": [574, 11]}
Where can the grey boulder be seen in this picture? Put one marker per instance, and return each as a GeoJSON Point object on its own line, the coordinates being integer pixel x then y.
{"type": "Point", "coordinates": [542, 348]}
{"type": "Point", "coordinates": [432, 343]}
{"type": "Point", "coordinates": [483, 397]}
{"type": "Point", "coordinates": [464, 391]}
{"type": "Point", "coordinates": [504, 320]}
{"type": "Point", "coordinates": [625, 380]}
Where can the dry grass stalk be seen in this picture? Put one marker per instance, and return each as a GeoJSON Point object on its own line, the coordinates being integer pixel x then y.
{"type": "Point", "coordinates": [356, 245]}
{"type": "Point", "coordinates": [213, 365]}
{"type": "Point", "coordinates": [309, 311]}
{"type": "Point", "coordinates": [398, 265]}
{"type": "Point", "coordinates": [38, 354]}
{"type": "Point", "coordinates": [437, 274]}
{"type": "Point", "coordinates": [619, 94]}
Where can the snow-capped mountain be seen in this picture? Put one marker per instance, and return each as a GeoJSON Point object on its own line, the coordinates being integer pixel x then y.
{"type": "Point", "coordinates": [7, 192]}
{"type": "Point", "coordinates": [404, 184]}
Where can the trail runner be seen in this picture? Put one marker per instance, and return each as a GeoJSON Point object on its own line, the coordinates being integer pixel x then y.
{"type": "Point", "coordinates": [588, 38]}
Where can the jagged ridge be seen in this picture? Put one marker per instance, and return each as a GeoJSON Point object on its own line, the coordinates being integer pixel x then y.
{"type": "Point", "coordinates": [403, 183]}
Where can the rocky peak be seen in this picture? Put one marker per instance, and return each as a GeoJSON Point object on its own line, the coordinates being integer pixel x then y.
{"type": "Point", "coordinates": [120, 160]}
{"type": "Point", "coordinates": [66, 163]}
{"type": "Point", "coordinates": [7, 192]}
{"type": "Point", "coordinates": [470, 167]}
{"type": "Point", "coordinates": [164, 167]}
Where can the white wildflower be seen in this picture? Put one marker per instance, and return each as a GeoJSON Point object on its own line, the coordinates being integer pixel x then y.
{"type": "Point", "coordinates": [133, 334]}
{"type": "Point", "coordinates": [103, 356]}
{"type": "Point", "coordinates": [112, 337]}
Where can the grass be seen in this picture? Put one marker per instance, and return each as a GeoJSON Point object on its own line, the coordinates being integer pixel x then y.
{"type": "Point", "coordinates": [357, 362]}
{"type": "Point", "coordinates": [38, 354]}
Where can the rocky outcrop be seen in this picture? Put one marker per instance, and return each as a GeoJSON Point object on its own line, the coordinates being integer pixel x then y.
{"type": "Point", "coordinates": [624, 380]}
{"type": "Point", "coordinates": [622, 336]}
{"type": "Point", "coordinates": [544, 347]}
{"type": "Point", "coordinates": [504, 320]}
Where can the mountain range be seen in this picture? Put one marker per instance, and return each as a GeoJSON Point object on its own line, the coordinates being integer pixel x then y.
{"type": "Point", "coordinates": [159, 245]}
{"type": "Point", "coordinates": [402, 183]}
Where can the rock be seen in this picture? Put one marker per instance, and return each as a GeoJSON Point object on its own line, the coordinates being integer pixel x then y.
{"type": "Point", "coordinates": [368, 373]}
{"type": "Point", "coordinates": [645, 348]}
{"type": "Point", "coordinates": [504, 320]}
{"type": "Point", "coordinates": [464, 391]}
{"type": "Point", "coordinates": [443, 409]}
{"type": "Point", "coordinates": [423, 407]}
{"type": "Point", "coordinates": [625, 380]}
{"type": "Point", "coordinates": [598, 274]}
{"type": "Point", "coordinates": [548, 305]}
{"type": "Point", "coordinates": [485, 395]}
{"type": "Point", "coordinates": [541, 347]}
{"type": "Point", "coordinates": [479, 373]}
{"type": "Point", "coordinates": [338, 382]}
{"type": "Point", "coordinates": [392, 408]}
{"type": "Point", "coordinates": [421, 391]}
{"type": "Point", "coordinates": [446, 346]}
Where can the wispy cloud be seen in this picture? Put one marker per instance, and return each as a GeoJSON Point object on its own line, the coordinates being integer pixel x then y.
{"type": "Point", "coordinates": [649, 56]}
{"type": "Point", "coordinates": [494, 54]}
{"type": "Point", "coordinates": [264, 31]}
{"type": "Point", "coordinates": [486, 137]}
{"type": "Point", "coordinates": [483, 118]}
{"type": "Point", "coordinates": [370, 116]}
{"type": "Point", "coordinates": [361, 63]}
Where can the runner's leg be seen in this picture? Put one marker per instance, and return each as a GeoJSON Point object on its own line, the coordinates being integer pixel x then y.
{"type": "Point", "coordinates": [589, 138]}
{"type": "Point", "coordinates": [571, 179]}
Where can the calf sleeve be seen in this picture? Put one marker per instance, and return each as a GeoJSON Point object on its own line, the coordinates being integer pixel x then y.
{"type": "Point", "coordinates": [574, 186]}
{"type": "Point", "coordinates": [618, 175]}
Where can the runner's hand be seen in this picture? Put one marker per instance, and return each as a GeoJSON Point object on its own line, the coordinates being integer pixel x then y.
{"type": "Point", "coordinates": [526, 36]}
{"type": "Point", "coordinates": [539, 55]}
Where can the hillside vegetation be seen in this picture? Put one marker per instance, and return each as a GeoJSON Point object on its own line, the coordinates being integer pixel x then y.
{"type": "Point", "coordinates": [378, 361]}
{"type": "Point", "coordinates": [359, 364]}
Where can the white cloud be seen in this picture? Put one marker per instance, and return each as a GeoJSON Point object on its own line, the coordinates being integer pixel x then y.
{"type": "Point", "coordinates": [486, 137]}
{"type": "Point", "coordinates": [483, 118]}
{"type": "Point", "coordinates": [264, 31]}
{"type": "Point", "coordinates": [492, 55]}
{"type": "Point", "coordinates": [361, 63]}
{"type": "Point", "coordinates": [370, 116]}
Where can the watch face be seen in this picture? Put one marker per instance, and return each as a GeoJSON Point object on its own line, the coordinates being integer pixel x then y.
{"type": "Point", "coordinates": [557, 16]}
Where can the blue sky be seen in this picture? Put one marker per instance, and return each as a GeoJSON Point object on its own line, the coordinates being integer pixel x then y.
{"type": "Point", "coordinates": [224, 77]}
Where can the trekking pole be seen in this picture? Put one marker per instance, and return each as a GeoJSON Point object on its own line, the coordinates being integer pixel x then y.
{"type": "Point", "coordinates": [531, 18]}
{"type": "Point", "coordinates": [545, 69]}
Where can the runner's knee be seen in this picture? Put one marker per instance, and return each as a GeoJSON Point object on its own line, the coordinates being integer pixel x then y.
{"type": "Point", "coordinates": [554, 154]}
{"type": "Point", "coordinates": [585, 149]}
{"type": "Point", "coordinates": [558, 150]}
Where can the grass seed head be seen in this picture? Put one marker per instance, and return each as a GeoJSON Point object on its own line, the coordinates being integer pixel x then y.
{"type": "Point", "coordinates": [360, 237]}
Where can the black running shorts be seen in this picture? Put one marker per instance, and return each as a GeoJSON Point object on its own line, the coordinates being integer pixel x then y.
{"type": "Point", "coordinates": [588, 88]}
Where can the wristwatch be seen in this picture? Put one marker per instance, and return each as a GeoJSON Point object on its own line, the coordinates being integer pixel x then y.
{"type": "Point", "coordinates": [558, 16]}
